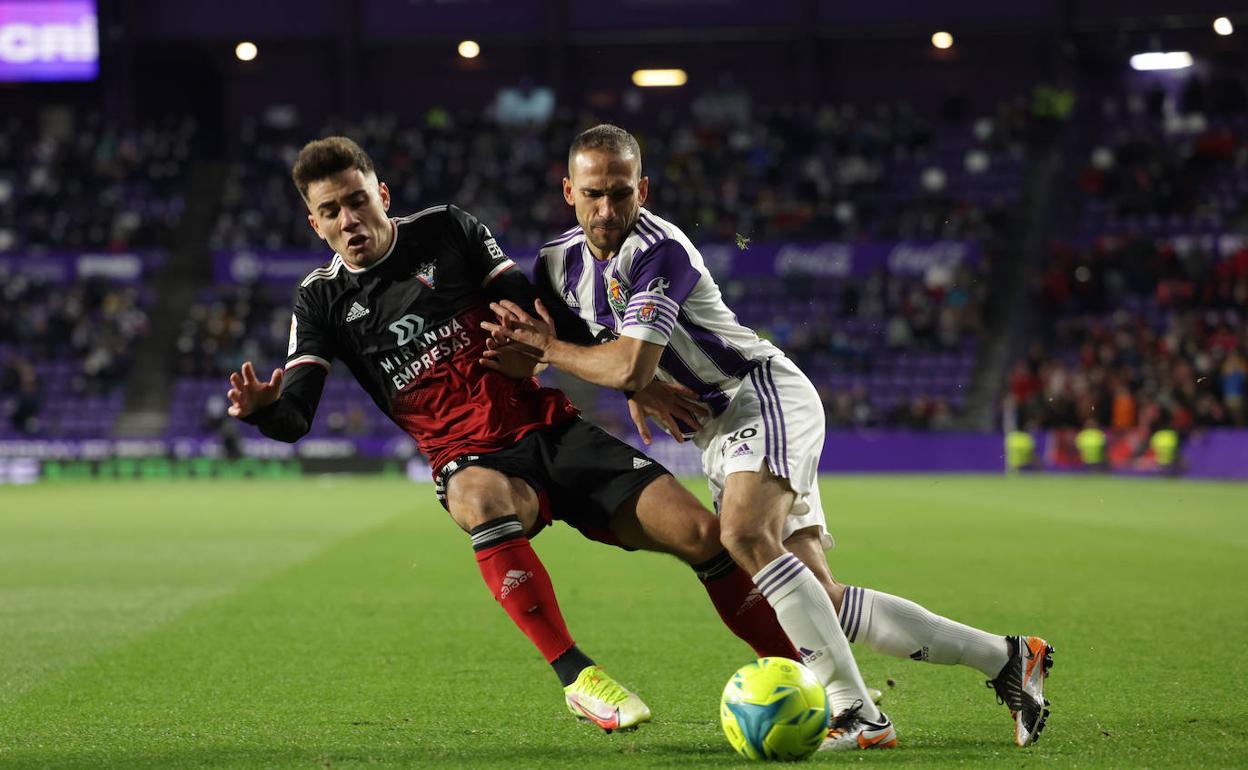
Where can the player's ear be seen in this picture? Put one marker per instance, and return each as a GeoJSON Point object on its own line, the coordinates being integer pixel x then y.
{"type": "Point", "coordinates": [384, 193]}
{"type": "Point", "coordinates": [643, 189]}
{"type": "Point", "coordinates": [316, 228]}
{"type": "Point", "coordinates": [567, 191]}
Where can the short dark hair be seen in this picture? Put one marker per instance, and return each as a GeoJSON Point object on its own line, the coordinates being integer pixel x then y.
{"type": "Point", "coordinates": [612, 139]}
{"type": "Point", "coordinates": [323, 158]}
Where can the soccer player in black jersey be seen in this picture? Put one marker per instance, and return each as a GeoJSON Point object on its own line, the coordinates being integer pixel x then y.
{"type": "Point", "coordinates": [401, 304]}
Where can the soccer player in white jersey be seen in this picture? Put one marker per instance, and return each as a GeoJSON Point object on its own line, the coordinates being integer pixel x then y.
{"type": "Point", "coordinates": [640, 287]}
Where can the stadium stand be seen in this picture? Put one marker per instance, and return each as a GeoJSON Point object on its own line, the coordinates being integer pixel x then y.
{"type": "Point", "coordinates": [233, 323]}
{"type": "Point", "coordinates": [723, 169]}
{"type": "Point", "coordinates": [1144, 335]}
{"type": "Point", "coordinates": [1143, 323]}
{"type": "Point", "coordinates": [834, 172]}
{"type": "Point", "coordinates": [92, 187]}
{"type": "Point", "coordinates": [1124, 318]}
{"type": "Point", "coordinates": [65, 354]}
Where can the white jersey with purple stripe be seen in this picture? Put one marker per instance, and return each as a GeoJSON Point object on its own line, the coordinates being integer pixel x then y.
{"type": "Point", "coordinates": [657, 289]}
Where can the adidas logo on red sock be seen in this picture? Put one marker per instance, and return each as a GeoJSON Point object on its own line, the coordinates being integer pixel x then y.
{"type": "Point", "coordinates": [753, 597]}
{"type": "Point", "coordinates": [512, 580]}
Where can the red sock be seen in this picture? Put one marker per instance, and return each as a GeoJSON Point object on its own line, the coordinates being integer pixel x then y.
{"type": "Point", "coordinates": [748, 614]}
{"type": "Point", "coordinates": [521, 584]}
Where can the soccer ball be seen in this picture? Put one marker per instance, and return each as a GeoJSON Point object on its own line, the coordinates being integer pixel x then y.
{"type": "Point", "coordinates": [774, 708]}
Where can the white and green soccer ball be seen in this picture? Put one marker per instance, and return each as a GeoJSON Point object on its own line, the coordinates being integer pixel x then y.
{"type": "Point", "coordinates": [774, 708]}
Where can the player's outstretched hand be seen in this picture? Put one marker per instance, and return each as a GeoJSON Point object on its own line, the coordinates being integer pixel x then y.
{"type": "Point", "coordinates": [515, 325]}
{"type": "Point", "coordinates": [248, 393]}
{"type": "Point", "coordinates": [668, 404]}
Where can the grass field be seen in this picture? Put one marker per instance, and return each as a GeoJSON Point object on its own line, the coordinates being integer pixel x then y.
{"type": "Point", "coordinates": [342, 623]}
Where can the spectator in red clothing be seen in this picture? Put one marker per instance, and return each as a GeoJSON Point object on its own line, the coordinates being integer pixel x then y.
{"type": "Point", "coordinates": [1023, 383]}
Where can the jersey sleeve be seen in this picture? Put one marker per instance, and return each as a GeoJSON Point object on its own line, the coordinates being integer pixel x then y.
{"type": "Point", "coordinates": [485, 257]}
{"type": "Point", "coordinates": [310, 342]}
{"type": "Point", "coordinates": [289, 418]}
{"type": "Point", "coordinates": [662, 277]}
{"type": "Point", "coordinates": [308, 357]}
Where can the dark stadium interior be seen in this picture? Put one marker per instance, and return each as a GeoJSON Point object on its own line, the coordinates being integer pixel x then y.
{"type": "Point", "coordinates": [1097, 213]}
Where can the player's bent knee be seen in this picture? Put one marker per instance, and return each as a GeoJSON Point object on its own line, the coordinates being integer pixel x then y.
{"type": "Point", "coordinates": [703, 541]}
{"type": "Point", "coordinates": [476, 496]}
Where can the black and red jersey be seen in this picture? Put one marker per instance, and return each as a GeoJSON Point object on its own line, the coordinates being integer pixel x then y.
{"type": "Point", "coordinates": [408, 327]}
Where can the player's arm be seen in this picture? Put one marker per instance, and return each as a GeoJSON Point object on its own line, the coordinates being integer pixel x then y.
{"type": "Point", "coordinates": [665, 276]}
{"type": "Point", "coordinates": [506, 281]}
{"type": "Point", "coordinates": [283, 407]}
{"type": "Point", "coordinates": [501, 355]}
{"type": "Point", "coordinates": [567, 324]}
{"type": "Point", "coordinates": [626, 363]}
{"type": "Point", "coordinates": [499, 278]}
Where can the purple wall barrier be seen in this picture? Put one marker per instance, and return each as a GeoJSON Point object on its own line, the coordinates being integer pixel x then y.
{"type": "Point", "coordinates": [1216, 454]}
{"type": "Point", "coordinates": [833, 259]}
{"type": "Point", "coordinates": [1220, 454]}
{"type": "Point", "coordinates": [280, 268]}
{"type": "Point", "coordinates": [843, 452]}
{"type": "Point", "coordinates": [889, 451]}
{"type": "Point", "coordinates": [65, 267]}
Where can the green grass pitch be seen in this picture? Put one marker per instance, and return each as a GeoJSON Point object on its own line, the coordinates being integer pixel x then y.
{"type": "Point", "coordinates": [342, 623]}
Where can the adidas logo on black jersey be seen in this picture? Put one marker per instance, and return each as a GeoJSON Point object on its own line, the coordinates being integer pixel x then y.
{"type": "Point", "coordinates": [356, 312]}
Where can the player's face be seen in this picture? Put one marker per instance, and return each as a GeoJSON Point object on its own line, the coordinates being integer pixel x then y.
{"type": "Point", "coordinates": [607, 191]}
{"type": "Point", "coordinates": [348, 210]}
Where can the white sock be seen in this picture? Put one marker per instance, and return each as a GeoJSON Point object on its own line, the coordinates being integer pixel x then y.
{"type": "Point", "coordinates": [808, 617]}
{"type": "Point", "coordinates": [899, 627]}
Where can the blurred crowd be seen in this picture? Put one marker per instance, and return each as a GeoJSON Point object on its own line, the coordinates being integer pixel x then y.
{"type": "Point", "coordinates": [1146, 334]}
{"type": "Point", "coordinates": [1167, 161]}
{"type": "Point", "coordinates": [853, 408]}
{"type": "Point", "coordinates": [231, 324]}
{"type": "Point", "coordinates": [1145, 322]}
{"type": "Point", "coordinates": [719, 169]}
{"type": "Point", "coordinates": [722, 168]}
{"type": "Point", "coordinates": [1133, 330]}
{"type": "Point", "coordinates": [857, 338]}
{"type": "Point", "coordinates": [937, 311]}
{"type": "Point", "coordinates": [83, 184]}
{"type": "Point", "coordinates": [82, 335]}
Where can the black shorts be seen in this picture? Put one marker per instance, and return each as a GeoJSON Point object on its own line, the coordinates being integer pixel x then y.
{"type": "Point", "coordinates": [581, 474]}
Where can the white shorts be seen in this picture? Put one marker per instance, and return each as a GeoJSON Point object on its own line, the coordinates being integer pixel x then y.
{"type": "Point", "coordinates": [775, 417]}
